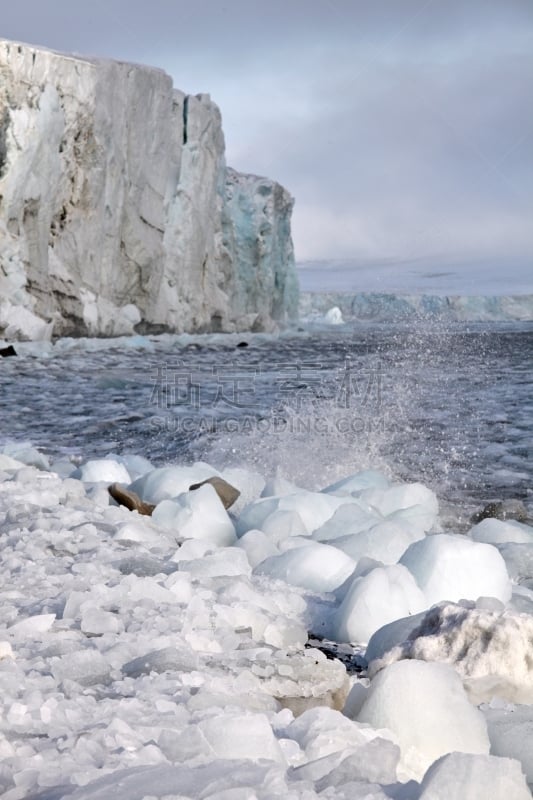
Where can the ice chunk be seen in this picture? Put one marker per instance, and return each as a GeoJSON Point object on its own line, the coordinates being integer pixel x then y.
{"type": "Point", "coordinates": [180, 585]}
{"type": "Point", "coordinates": [9, 463]}
{"type": "Point", "coordinates": [404, 496]}
{"type": "Point", "coordinates": [385, 542]}
{"type": "Point", "coordinates": [496, 531]}
{"type": "Point", "coordinates": [5, 650]}
{"type": "Point", "coordinates": [453, 568]}
{"type": "Point", "coordinates": [411, 502]}
{"type": "Point", "coordinates": [510, 731]}
{"type": "Point", "coordinates": [280, 525]}
{"type": "Point", "coordinates": [427, 709]}
{"type": "Point", "coordinates": [144, 566]}
{"type": "Point", "coordinates": [257, 546]}
{"type": "Point", "coordinates": [236, 736]}
{"type": "Point", "coordinates": [293, 542]}
{"type": "Point", "coordinates": [491, 650]}
{"type": "Point", "coordinates": [226, 561]}
{"type": "Point", "coordinates": [96, 622]}
{"type": "Point", "coordinates": [63, 467]}
{"type": "Point", "coordinates": [217, 780]}
{"type": "Point", "coordinates": [277, 486]}
{"type": "Point", "coordinates": [102, 469]}
{"type": "Point", "coordinates": [350, 518]}
{"type": "Point", "coordinates": [522, 600]}
{"type": "Point", "coordinates": [254, 515]}
{"type": "Point", "coordinates": [27, 454]}
{"type": "Point", "coordinates": [33, 626]}
{"type": "Point", "coordinates": [333, 316]}
{"type": "Point", "coordinates": [249, 484]}
{"type": "Point", "coordinates": [374, 762]}
{"type": "Point", "coordinates": [191, 549]}
{"type": "Point", "coordinates": [136, 465]}
{"type": "Point", "coordinates": [86, 667]}
{"type": "Point", "coordinates": [353, 484]}
{"type": "Point", "coordinates": [168, 658]}
{"type": "Point", "coordinates": [165, 483]}
{"type": "Point", "coordinates": [314, 508]}
{"type": "Point", "coordinates": [183, 745]}
{"type": "Point", "coordinates": [315, 566]}
{"type": "Point", "coordinates": [138, 589]}
{"type": "Point", "coordinates": [465, 776]}
{"type": "Point", "coordinates": [392, 634]}
{"type": "Point", "coordinates": [384, 594]}
{"type": "Point", "coordinates": [196, 515]}
{"type": "Point", "coordinates": [323, 731]}
{"type": "Point", "coordinates": [355, 699]}
{"type": "Point", "coordinates": [300, 682]}
{"type": "Point", "coordinates": [518, 559]}
{"type": "Point", "coordinates": [141, 531]}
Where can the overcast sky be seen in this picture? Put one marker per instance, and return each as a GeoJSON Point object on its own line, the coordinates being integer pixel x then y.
{"type": "Point", "coordinates": [403, 128]}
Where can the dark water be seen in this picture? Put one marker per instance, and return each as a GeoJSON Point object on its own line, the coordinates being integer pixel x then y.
{"type": "Point", "coordinates": [450, 407]}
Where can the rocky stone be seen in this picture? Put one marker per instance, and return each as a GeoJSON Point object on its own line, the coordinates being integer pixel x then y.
{"type": "Point", "coordinates": [131, 500]}
{"type": "Point", "coordinates": [227, 493]}
{"type": "Point", "coordinates": [504, 509]}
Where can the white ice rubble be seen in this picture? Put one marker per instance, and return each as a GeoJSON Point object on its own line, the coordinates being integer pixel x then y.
{"type": "Point", "coordinates": [117, 208]}
{"type": "Point", "coordinates": [168, 656]}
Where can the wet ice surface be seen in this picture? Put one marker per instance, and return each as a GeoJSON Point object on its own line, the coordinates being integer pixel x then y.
{"type": "Point", "coordinates": [450, 406]}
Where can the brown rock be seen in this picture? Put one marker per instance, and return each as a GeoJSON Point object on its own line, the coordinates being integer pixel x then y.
{"type": "Point", "coordinates": [505, 509]}
{"type": "Point", "coordinates": [227, 493]}
{"type": "Point", "coordinates": [129, 499]}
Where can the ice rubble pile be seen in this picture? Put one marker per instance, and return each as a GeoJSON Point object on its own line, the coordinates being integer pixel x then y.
{"type": "Point", "coordinates": [166, 655]}
{"type": "Point", "coordinates": [117, 209]}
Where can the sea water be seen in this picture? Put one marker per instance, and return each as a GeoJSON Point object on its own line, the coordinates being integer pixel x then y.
{"type": "Point", "coordinates": [450, 406]}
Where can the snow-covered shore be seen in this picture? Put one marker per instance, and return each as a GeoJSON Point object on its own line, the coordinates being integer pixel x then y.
{"type": "Point", "coordinates": [166, 656]}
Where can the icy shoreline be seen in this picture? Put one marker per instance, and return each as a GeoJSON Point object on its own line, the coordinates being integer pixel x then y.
{"type": "Point", "coordinates": [166, 656]}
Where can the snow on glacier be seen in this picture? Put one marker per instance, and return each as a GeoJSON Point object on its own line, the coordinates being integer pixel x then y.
{"type": "Point", "coordinates": [134, 665]}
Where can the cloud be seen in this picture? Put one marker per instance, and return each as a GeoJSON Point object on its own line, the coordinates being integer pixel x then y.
{"type": "Point", "coordinates": [404, 128]}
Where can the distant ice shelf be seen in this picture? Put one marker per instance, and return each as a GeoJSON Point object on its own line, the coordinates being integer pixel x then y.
{"type": "Point", "coordinates": [390, 307]}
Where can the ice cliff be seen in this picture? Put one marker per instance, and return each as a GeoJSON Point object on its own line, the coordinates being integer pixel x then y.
{"type": "Point", "coordinates": [117, 210]}
{"type": "Point", "coordinates": [405, 307]}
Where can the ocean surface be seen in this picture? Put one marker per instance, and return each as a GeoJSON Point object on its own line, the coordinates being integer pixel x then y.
{"type": "Point", "coordinates": [451, 406]}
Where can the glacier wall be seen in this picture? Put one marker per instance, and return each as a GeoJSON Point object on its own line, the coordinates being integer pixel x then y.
{"type": "Point", "coordinates": [393, 307]}
{"type": "Point", "coordinates": [117, 210]}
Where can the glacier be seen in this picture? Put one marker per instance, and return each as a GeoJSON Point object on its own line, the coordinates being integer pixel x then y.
{"type": "Point", "coordinates": [375, 306]}
{"type": "Point", "coordinates": [118, 213]}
